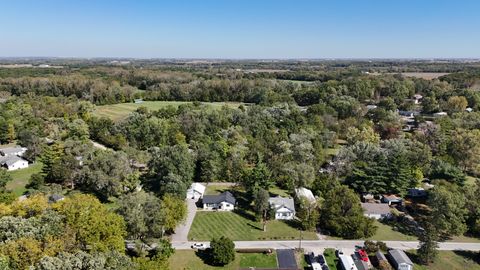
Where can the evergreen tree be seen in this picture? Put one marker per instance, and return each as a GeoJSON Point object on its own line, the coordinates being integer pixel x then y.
{"type": "Point", "coordinates": [428, 244]}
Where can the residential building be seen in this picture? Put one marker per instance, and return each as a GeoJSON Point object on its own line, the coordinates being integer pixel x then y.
{"type": "Point", "coordinates": [13, 151]}
{"type": "Point", "coordinates": [376, 210]}
{"type": "Point", "coordinates": [222, 202]}
{"type": "Point", "coordinates": [416, 192]}
{"type": "Point", "coordinates": [284, 207]}
{"type": "Point", "coordinates": [400, 260]}
{"type": "Point", "coordinates": [391, 199]}
{"type": "Point", "coordinates": [195, 191]}
{"type": "Point", "coordinates": [12, 163]}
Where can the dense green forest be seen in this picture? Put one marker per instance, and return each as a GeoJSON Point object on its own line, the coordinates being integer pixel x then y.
{"type": "Point", "coordinates": [337, 127]}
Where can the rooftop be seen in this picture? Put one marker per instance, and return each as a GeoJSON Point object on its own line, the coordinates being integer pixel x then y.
{"type": "Point", "coordinates": [399, 256]}
{"type": "Point", "coordinates": [279, 202]}
{"type": "Point", "coordinates": [223, 197]}
{"type": "Point", "coordinates": [376, 208]}
{"type": "Point", "coordinates": [306, 193]}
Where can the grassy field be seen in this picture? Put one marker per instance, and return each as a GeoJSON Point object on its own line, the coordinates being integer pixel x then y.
{"type": "Point", "coordinates": [450, 260]}
{"type": "Point", "coordinates": [216, 189]}
{"type": "Point", "coordinates": [120, 111]}
{"type": "Point", "coordinates": [187, 259]}
{"type": "Point", "coordinates": [330, 258]}
{"type": "Point", "coordinates": [258, 260]}
{"type": "Point", "coordinates": [21, 177]}
{"type": "Point", "coordinates": [207, 225]}
{"type": "Point", "coordinates": [386, 233]}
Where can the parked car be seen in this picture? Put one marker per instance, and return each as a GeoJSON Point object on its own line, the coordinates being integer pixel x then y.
{"type": "Point", "coordinates": [316, 266]}
{"type": "Point", "coordinates": [199, 246]}
{"type": "Point", "coordinates": [362, 255]}
{"type": "Point", "coordinates": [310, 257]}
{"type": "Point", "coordinates": [325, 267]}
{"type": "Point", "coordinates": [321, 259]}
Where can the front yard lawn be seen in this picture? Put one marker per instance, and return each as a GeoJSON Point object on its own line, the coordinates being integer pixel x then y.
{"type": "Point", "coordinates": [188, 259]}
{"type": "Point", "coordinates": [21, 177]}
{"type": "Point", "coordinates": [386, 233]}
{"type": "Point", "coordinates": [258, 260]}
{"type": "Point", "coordinates": [207, 225]}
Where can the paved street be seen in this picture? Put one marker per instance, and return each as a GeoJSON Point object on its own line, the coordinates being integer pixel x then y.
{"type": "Point", "coordinates": [181, 232]}
{"type": "Point", "coordinates": [344, 244]}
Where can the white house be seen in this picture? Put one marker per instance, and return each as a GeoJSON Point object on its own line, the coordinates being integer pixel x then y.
{"type": "Point", "coordinates": [195, 191]}
{"type": "Point", "coordinates": [221, 202]}
{"type": "Point", "coordinates": [400, 260]}
{"type": "Point", "coordinates": [376, 210]}
{"type": "Point", "coordinates": [284, 207]}
{"type": "Point", "coordinates": [305, 193]}
{"type": "Point", "coordinates": [13, 151]}
{"type": "Point", "coordinates": [12, 163]}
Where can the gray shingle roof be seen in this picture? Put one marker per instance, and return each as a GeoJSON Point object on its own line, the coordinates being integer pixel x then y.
{"type": "Point", "coordinates": [223, 197]}
{"type": "Point", "coordinates": [279, 202]}
{"type": "Point", "coordinates": [10, 160]}
{"type": "Point", "coordinates": [399, 256]}
{"type": "Point", "coordinates": [376, 208]}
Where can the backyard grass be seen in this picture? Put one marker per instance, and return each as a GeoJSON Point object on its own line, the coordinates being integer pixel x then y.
{"type": "Point", "coordinates": [207, 225]}
{"type": "Point", "coordinates": [276, 191]}
{"type": "Point", "coordinates": [120, 111]}
{"type": "Point", "coordinates": [330, 258]}
{"type": "Point", "coordinates": [188, 259]}
{"type": "Point", "coordinates": [21, 177]}
{"type": "Point", "coordinates": [449, 260]}
{"type": "Point", "coordinates": [213, 189]}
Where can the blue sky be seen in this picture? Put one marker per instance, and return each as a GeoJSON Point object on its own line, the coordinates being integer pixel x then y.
{"type": "Point", "coordinates": [241, 28]}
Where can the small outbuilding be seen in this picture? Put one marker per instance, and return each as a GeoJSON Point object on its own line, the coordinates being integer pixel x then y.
{"type": "Point", "coordinates": [195, 191]}
{"type": "Point", "coordinates": [400, 260]}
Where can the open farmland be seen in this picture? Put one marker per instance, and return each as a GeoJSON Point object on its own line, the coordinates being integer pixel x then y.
{"type": "Point", "coordinates": [119, 111]}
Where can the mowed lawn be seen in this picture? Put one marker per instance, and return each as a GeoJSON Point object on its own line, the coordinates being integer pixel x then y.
{"type": "Point", "coordinates": [449, 260]}
{"type": "Point", "coordinates": [207, 225]}
{"type": "Point", "coordinates": [188, 259]}
{"type": "Point", "coordinates": [21, 177]}
{"type": "Point", "coordinates": [386, 233]}
{"type": "Point", "coordinates": [120, 111]}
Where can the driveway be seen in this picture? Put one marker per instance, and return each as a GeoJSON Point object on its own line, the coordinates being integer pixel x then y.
{"type": "Point", "coordinates": [181, 232]}
{"type": "Point", "coordinates": [286, 259]}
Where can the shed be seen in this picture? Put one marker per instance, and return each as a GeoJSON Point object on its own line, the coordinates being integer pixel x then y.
{"type": "Point", "coordinates": [391, 199]}
{"type": "Point", "coordinates": [400, 260]}
{"type": "Point", "coordinates": [195, 191]}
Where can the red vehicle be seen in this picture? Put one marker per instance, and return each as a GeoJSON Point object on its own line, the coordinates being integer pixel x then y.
{"type": "Point", "coordinates": [363, 255]}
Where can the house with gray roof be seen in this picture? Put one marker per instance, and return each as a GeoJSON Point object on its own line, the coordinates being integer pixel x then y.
{"type": "Point", "coordinates": [222, 202]}
{"type": "Point", "coordinates": [284, 207]}
{"type": "Point", "coordinates": [400, 260]}
{"type": "Point", "coordinates": [13, 151]}
{"type": "Point", "coordinates": [376, 210]}
{"type": "Point", "coordinates": [13, 163]}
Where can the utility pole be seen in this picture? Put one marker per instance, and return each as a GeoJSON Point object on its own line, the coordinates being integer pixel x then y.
{"type": "Point", "coordinates": [300, 243]}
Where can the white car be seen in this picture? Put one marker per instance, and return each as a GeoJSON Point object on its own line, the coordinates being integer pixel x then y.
{"type": "Point", "coordinates": [199, 246]}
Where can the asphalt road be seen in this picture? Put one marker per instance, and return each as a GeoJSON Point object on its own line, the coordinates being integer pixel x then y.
{"type": "Point", "coordinates": [334, 244]}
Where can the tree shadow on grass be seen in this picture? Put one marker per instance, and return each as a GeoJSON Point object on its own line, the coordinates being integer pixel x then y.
{"type": "Point", "coordinates": [471, 255]}
{"type": "Point", "coordinates": [205, 256]}
{"type": "Point", "coordinates": [244, 214]}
